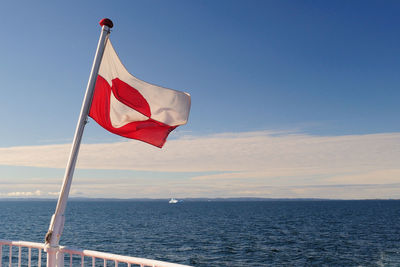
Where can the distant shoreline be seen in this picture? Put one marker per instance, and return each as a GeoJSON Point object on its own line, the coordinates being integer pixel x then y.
{"type": "Point", "coordinates": [241, 199]}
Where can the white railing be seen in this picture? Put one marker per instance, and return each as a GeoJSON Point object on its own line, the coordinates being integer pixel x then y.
{"type": "Point", "coordinates": [21, 244]}
{"type": "Point", "coordinates": [85, 257]}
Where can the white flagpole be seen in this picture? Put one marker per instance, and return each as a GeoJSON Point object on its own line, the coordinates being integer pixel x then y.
{"type": "Point", "coordinates": [57, 221]}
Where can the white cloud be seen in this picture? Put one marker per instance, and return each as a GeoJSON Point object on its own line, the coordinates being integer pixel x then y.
{"type": "Point", "coordinates": [244, 164]}
{"type": "Point", "coordinates": [36, 193]}
{"type": "Point", "coordinates": [24, 194]}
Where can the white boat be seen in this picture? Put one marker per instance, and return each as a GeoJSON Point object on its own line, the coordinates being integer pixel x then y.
{"type": "Point", "coordinates": [55, 255]}
{"type": "Point", "coordinates": [173, 201]}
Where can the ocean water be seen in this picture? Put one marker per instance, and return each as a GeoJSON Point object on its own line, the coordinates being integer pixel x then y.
{"type": "Point", "coordinates": [243, 233]}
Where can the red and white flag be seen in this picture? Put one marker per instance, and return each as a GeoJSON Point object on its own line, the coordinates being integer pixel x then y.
{"type": "Point", "coordinates": [127, 106]}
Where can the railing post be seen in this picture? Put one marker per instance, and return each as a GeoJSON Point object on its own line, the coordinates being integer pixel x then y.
{"type": "Point", "coordinates": [10, 257]}
{"type": "Point", "coordinates": [60, 259]}
{"type": "Point", "coordinates": [29, 256]}
{"type": "Point", "coordinates": [51, 256]}
{"type": "Point", "coordinates": [19, 256]}
{"type": "Point", "coordinates": [55, 258]}
{"type": "Point", "coordinates": [40, 258]}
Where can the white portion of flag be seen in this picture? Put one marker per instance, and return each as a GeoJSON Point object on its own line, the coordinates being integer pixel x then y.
{"type": "Point", "coordinates": [121, 114]}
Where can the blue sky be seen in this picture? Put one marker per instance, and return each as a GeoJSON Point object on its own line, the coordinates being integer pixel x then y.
{"type": "Point", "coordinates": [289, 98]}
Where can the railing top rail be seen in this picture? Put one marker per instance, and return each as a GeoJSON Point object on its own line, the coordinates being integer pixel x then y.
{"type": "Point", "coordinates": [22, 244]}
{"type": "Point", "coordinates": [120, 258]}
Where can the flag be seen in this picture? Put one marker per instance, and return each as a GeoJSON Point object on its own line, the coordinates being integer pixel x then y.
{"type": "Point", "coordinates": [129, 107]}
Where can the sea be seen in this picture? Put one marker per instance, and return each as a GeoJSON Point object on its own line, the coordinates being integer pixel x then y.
{"type": "Point", "coordinates": [220, 233]}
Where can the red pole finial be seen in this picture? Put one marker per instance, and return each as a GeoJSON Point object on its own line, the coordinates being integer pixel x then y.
{"type": "Point", "coordinates": [106, 22]}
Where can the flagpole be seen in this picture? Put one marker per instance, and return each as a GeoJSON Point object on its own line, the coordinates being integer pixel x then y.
{"type": "Point", "coordinates": [57, 221]}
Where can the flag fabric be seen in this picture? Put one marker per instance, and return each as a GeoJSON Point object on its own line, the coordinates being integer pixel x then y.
{"type": "Point", "coordinates": [129, 107]}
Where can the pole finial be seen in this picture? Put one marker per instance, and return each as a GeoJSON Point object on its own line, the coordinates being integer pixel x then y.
{"type": "Point", "coordinates": [106, 22]}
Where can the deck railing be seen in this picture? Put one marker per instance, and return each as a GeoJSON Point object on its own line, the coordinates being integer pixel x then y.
{"type": "Point", "coordinates": [31, 254]}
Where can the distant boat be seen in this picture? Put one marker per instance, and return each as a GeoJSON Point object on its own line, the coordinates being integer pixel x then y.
{"type": "Point", "coordinates": [173, 201]}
